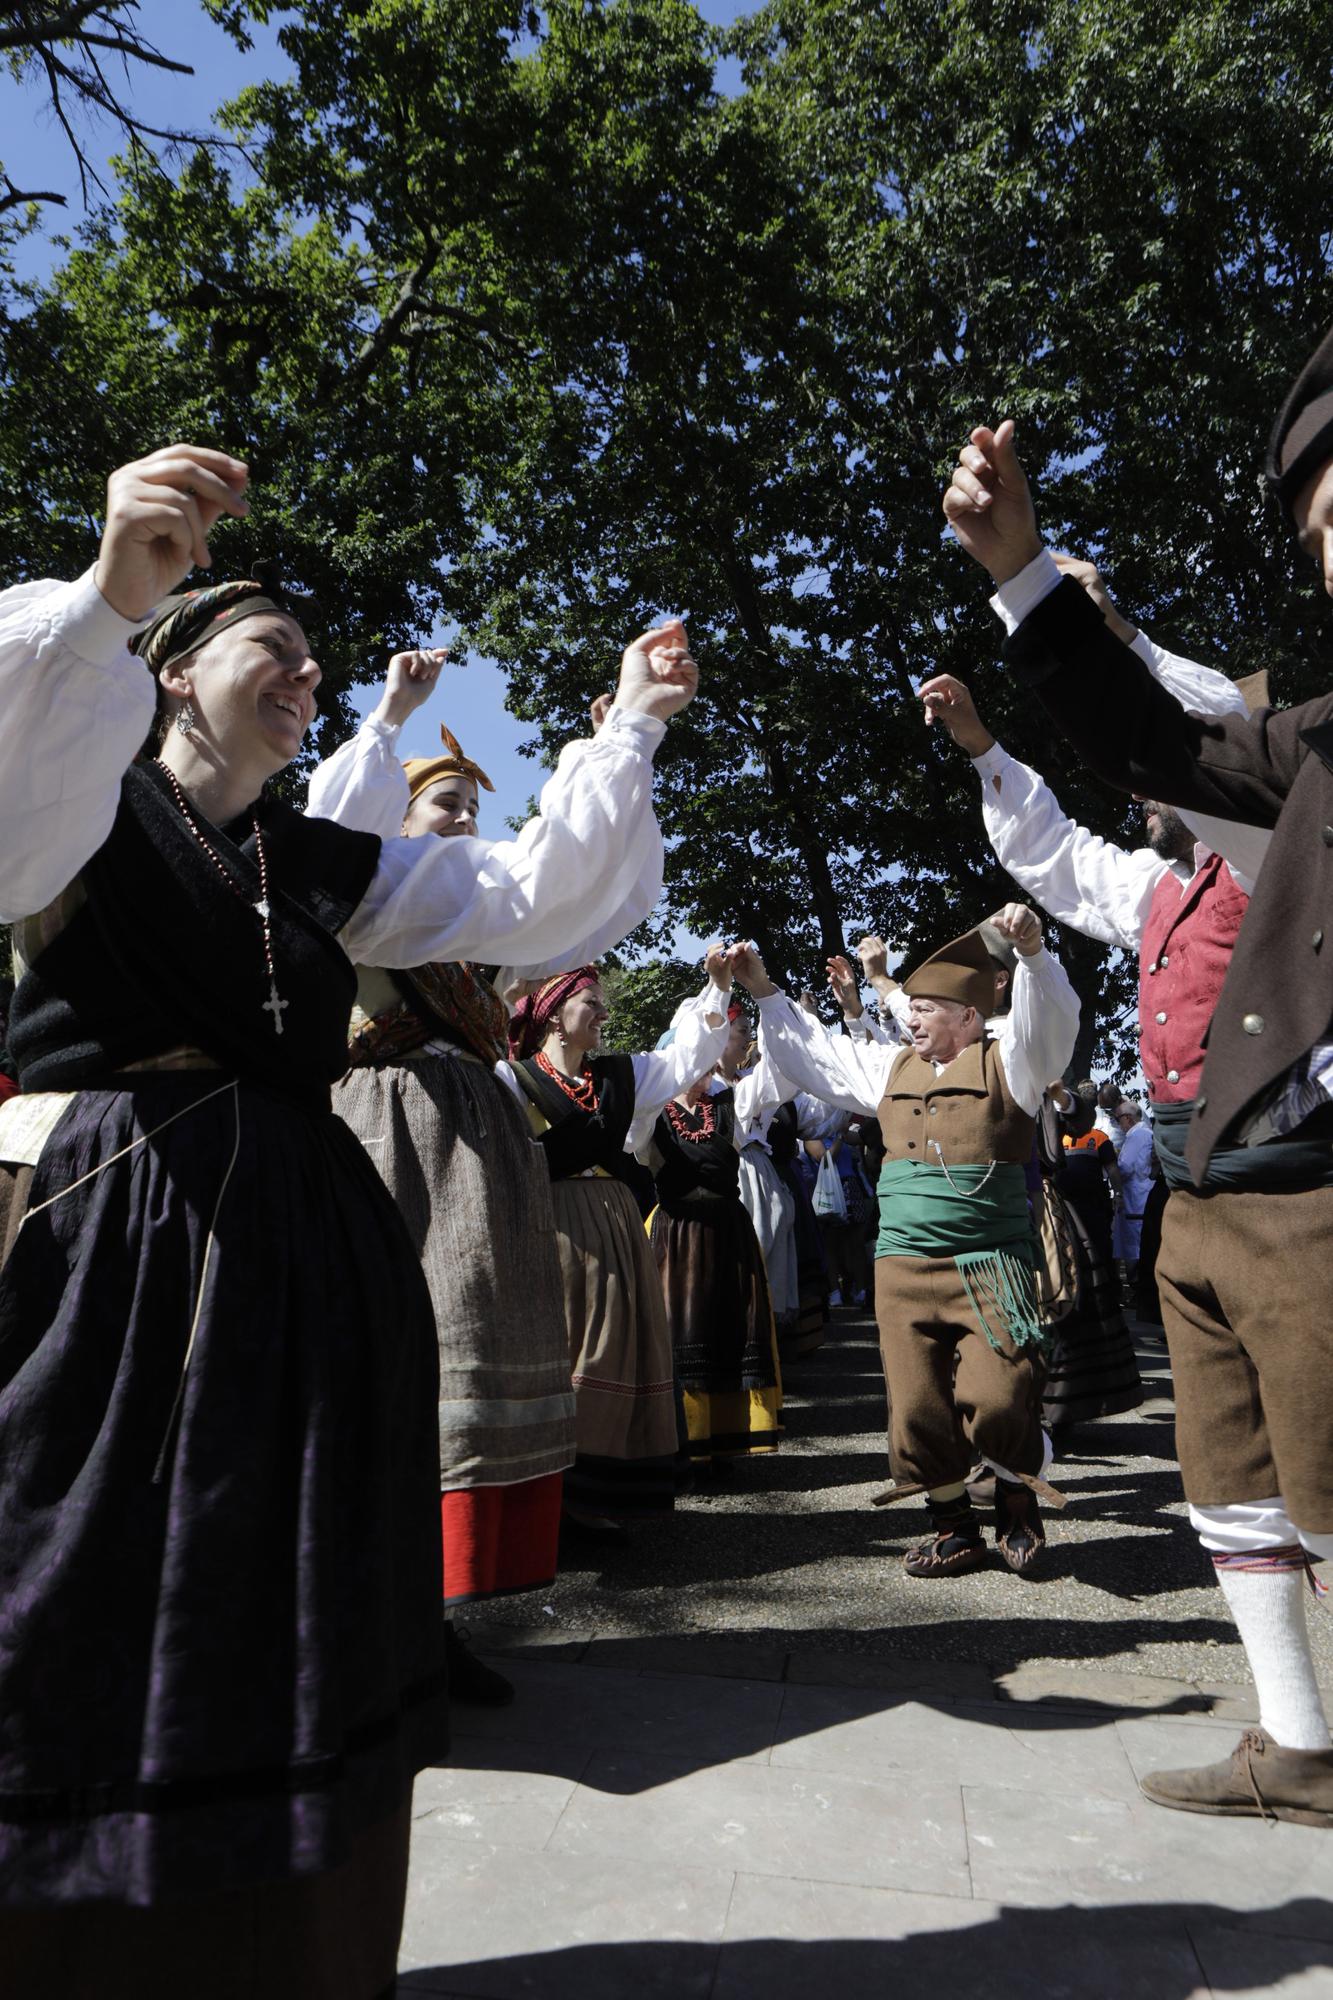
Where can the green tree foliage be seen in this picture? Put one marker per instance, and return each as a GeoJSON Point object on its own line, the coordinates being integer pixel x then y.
{"type": "Point", "coordinates": [523, 324]}
{"type": "Point", "coordinates": [642, 998]}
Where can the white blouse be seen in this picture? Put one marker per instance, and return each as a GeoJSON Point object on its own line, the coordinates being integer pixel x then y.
{"type": "Point", "coordinates": [1036, 1040]}
{"type": "Point", "coordinates": [78, 705]}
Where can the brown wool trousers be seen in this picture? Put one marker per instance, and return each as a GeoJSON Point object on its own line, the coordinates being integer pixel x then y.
{"type": "Point", "coordinates": [952, 1396]}
{"type": "Point", "coordinates": [1246, 1285]}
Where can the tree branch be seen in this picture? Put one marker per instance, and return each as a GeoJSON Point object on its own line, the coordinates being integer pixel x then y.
{"type": "Point", "coordinates": [56, 27]}
{"type": "Point", "coordinates": [15, 197]}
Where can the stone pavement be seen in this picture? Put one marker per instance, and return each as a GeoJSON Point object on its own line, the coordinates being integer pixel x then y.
{"type": "Point", "coordinates": [769, 1792]}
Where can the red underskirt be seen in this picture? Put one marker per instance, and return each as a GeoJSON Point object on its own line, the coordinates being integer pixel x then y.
{"type": "Point", "coordinates": [500, 1538]}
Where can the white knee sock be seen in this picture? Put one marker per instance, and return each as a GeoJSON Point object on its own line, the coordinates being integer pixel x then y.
{"type": "Point", "coordinates": [1268, 1606]}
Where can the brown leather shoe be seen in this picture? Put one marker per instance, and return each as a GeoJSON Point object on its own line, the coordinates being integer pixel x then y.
{"type": "Point", "coordinates": [955, 1546]}
{"type": "Point", "coordinates": [1260, 1780]}
{"type": "Point", "coordinates": [1020, 1538]}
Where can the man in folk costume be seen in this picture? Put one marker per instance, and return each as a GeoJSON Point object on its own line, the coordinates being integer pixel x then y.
{"type": "Point", "coordinates": [959, 1332]}
{"type": "Point", "coordinates": [1246, 1240]}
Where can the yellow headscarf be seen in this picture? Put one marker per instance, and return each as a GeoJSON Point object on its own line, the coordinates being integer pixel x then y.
{"type": "Point", "coordinates": [423, 772]}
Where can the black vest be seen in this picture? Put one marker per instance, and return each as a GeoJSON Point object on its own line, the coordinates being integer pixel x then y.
{"type": "Point", "coordinates": [709, 1166]}
{"type": "Point", "coordinates": [163, 954]}
{"type": "Point", "coordinates": [577, 1139]}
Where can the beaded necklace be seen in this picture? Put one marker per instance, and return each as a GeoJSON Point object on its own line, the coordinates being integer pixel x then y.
{"type": "Point", "coordinates": [275, 1004]}
{"type": "Point", "coordinates": [582, 1088]}
{"type": "Point", "coordinates": [693, 1123]}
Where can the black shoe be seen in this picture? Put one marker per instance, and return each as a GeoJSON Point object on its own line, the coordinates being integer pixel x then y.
{"type": "Point", "coordinates": [470, 1679]}
{"type": "Point", "coordinates": [1019, 1535]}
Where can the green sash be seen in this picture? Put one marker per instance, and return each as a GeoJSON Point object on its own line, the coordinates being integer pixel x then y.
{"type": "Point", "coordinates": [979, 1217]}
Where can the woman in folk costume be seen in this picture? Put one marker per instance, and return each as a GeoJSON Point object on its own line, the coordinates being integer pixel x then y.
{"type": "Point", "coordinates": [713, 1277]}
{"type": "Point", "coordinates": [581, 1105]}
{"type": "Point", "coordinates": [456, 1153]}
{"type": "Point", "coordinates": [959, 1333]}
{"type": "Point", "coordinates": [221, 1660]}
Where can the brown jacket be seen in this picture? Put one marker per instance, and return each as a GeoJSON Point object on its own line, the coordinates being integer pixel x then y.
{"type": "Point", "coordinates": [1271, 769]}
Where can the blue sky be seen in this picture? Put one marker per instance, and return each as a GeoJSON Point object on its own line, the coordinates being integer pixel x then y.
{"type": "Point", "coordinates": [36, 154]}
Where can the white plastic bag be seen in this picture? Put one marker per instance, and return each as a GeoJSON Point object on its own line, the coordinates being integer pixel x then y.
{"type": "Point", "coordinates": [830, 1203]}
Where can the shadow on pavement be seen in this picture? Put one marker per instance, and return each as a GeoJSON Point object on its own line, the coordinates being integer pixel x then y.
{"type": "Point", "coordinates": [1162, 1951]}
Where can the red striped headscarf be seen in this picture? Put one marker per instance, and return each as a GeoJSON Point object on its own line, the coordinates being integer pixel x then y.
{"type": "Point", "coordinates": [535, 1012]}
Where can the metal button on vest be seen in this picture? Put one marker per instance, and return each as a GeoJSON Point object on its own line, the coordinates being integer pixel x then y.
{"type": "Point", "coordinates": [1173, 1076]}
{"type": "Point", "coordinates": [933, 1109]}
{"type": "Point", "coordinates": [1153, 966]}
{"type": "Point", "coordinates": [1161, 1020]}
{"type": "Point", "coordinates": [1164, 961]}
{"type": "Point", "coordinates": [1326, 835]}
{"type": "Point", "coordinates": [1317, 939]}
{"type": "Point", "coordinates": [1253, 1024]}
{"type": "Point", "coordinates": [1201, 1104]}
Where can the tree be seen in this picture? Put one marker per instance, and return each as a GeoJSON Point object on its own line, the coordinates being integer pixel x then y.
{"type": "Point", "coordinates": [642, 999]}
{"type": "Point", "coordinates": [524, 325]}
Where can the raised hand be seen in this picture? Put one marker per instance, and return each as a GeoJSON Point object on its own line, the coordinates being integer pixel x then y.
{"type": "Point", "coordinates": [1022, 927]}
{"type": "Point", "coordinates": [657, 675]}
{"type": "Point", "coordinates": [718, 967]}
{"type": "Point", "coordinates": [844, 987]}
{"type": "Point", "coordinates": [748, 968]}
{"type": "Point", "coordinates": [948, 701]}
{"type": "Point", "coordinates": [1090, 577]}
{"type": "Point", "coordinates": [410, 681]}
{"type": "Point", "coordinates": [873, 955]}
{"type": "Point", "coordinates": [599, 711]}
{"type": "Point", "coordinates": [988, 504]}
{"type": "Point", "coordinates": [160, 511]}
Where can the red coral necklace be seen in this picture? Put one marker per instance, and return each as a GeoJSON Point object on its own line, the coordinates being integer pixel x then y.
{"type": "Point", "coordinates": [582, 1088]}
{"type": "Point", "coordinates": [694, 1123]}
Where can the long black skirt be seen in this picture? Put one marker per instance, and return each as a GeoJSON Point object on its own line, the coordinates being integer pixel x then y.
{"type": "Point", "coordinates": [1092, 1370]}
{"type": "Point", "coordinates": [220, 1635]}
{"type": "Point", "coordinates": [721, 1319]}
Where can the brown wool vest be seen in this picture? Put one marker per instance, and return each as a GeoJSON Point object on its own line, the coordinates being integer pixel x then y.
{"type": "Point", "coordinates": [967, 1109]}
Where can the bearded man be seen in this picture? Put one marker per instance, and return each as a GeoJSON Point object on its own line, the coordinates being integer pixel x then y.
{"type": "Point", "coordinates": [1247, 1242]}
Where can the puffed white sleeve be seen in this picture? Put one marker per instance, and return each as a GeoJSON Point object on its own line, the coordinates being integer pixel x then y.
{"type": "Point", "coordinates": [591, 856]}
{"type": "Point", "coordinates": [699, 1035]}
{"type": "Point", "coordinates": [1207, 692]}
{"type": "Point", "coordinates": [363, 785]}
{"type": "Point", "coordinates": [1040, 1029]}
{"type": "Point", "coordinates": [891, 1033]}
{"type": "Point", "coordinates": [77, 706]}
{"type": "Point", "coordinates": [1080, 879]}
{"type": "Point", "coordinates": [836, 1069]}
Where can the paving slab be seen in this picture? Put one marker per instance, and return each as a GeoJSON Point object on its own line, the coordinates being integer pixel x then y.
{"type": "Point", "coordinates": [703, 1653]}
{"type": "Point", "coordinates": [1028, 1848]}
{"type": "Point", "coordinates": [1244, 1965]}
{"type": "Point", "coordinates": [490, 1795]}
{"type": "Point", "coordinates": [789, 1940]}
{"type": "Point", "coordinates": [957, 1680]}
{"type": "Point", "coordinates": [821, 1825]}
{"type": "Point", "coordinates": [497, 1924]}
{"type": "Point", "coordinates": [836, 1729]}
{"type": "Point", "coordinates": [560, 1704]}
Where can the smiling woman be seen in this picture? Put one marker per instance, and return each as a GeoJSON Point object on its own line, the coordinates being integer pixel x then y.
{"type": "Point", "coordinates": [221, 1657]}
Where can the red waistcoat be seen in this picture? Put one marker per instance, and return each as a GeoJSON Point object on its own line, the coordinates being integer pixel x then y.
{"type": "Point", "coordinates": [1183, 960]}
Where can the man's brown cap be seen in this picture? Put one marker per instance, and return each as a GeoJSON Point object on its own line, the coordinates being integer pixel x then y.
{"type": "Point", "coordinates": [963, 971]}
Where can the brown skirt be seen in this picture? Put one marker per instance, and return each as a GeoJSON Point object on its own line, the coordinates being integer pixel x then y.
{"type": "Point", "coordinates": [322, 1937]}
{"type": "Point", "coordinates": [620, 1350]}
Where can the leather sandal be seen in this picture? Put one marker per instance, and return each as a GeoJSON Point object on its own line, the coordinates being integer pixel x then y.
{"type": "Point", "coordinates": [1019, 1536]}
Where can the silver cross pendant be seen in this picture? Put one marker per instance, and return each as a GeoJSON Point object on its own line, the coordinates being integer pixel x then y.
{"type": "Point", "coordinates": [274, 1006]}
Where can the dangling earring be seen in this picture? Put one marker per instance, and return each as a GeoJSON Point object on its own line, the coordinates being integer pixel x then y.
{"type": "Point", "coordinates": [186, 719]}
